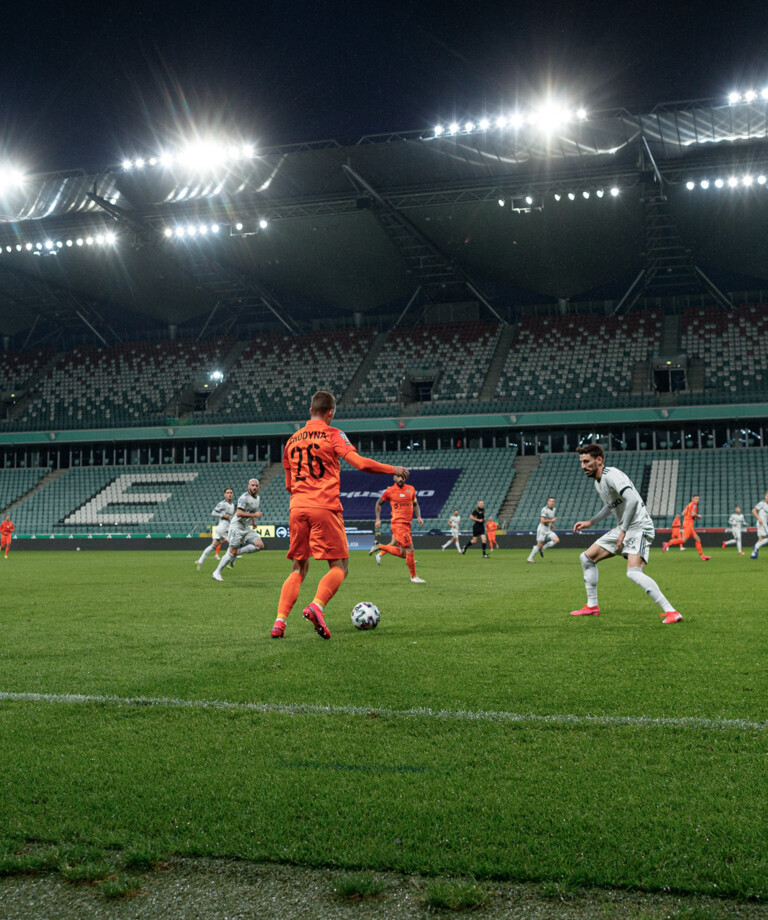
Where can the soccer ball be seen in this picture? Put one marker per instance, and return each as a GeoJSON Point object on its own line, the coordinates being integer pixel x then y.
{"type": "Point", "coordinates": [365, 615]}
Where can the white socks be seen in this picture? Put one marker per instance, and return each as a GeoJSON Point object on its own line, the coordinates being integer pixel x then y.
{"type": "Point", "coordinates": [590, 579]}
{"type": "Point", "coordinates": [650, 587]}
{"type": "Point", "coordinates": [205, 553]}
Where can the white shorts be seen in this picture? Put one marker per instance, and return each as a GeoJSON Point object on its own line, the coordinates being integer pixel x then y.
{"type": "Point", "coordinates": [762, 531]}
{"type": "Point", "coordinates": [543, 534]}
{"type": "Point", "coordinates": [238, 537]}
{"type": "Point", "coordinates": [637, 542]}
{"type": "Point", "coordinates": [454, 534]}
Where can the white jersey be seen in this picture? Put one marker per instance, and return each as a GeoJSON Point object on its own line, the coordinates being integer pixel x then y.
{"type": "Point", "coordinates": [222, 527]}
{"type": "Point", "coordinates": [737, 523]}
{"type": "Point", "coordinates": [250, 505]}
{"type": "Point", "coordinates": [614, 487]}
{"type": "Point", "coordinates": [453, 522]}
{"type": "Point", "coordinates": [550, 514]}
{"type": "Point", "coordinates": [762, 518]}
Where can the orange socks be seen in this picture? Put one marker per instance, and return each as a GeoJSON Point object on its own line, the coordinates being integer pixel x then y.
{"type": "Point", "coordinates": [329, 585]}
{"type": "Point", "coordinates": [288, 595]}
{"type": "Point", "coordinates": [393, 550]}
{"type": "Point", "coordinates": [410, 562]}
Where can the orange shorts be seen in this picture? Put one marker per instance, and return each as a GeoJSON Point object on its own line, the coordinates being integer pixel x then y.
{"type": "Point", "coordinates": [5, 541]}
{"type": "Point", "coordinates": [402, 533]}
{"type": "Point", "coordinates": [690, 534]}
{"type": "Point", "coordinates": [317, 532]}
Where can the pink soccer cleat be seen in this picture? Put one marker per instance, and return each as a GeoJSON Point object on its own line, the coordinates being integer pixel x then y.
{"type": "Point", "coordinates": [586, 611]}
{"type": "Point", "coordinates": [673, 617]}
{"type": "Point", "coordinates": [315, 616]}
{"type": "Point", "coordinates": [664, 547]}
{"type": "Point", "coordinates": [278, 630]}
{"type": "Point", "coordinates": [705, 558]}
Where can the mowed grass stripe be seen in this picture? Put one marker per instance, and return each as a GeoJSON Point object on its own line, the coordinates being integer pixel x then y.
{"type": "Point", "coordinates": [304, 709]}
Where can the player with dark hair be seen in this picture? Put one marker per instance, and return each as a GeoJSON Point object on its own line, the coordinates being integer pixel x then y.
{"type": "Point", "coordinates": [545, 531]}
{"type": "Point", "coordinates": [404, 504]}
{"type": "Point", "coordinates": [316, 519]}
{"type": "Point", "coordinates": [631, 537]}
{"type": "Point", "coordinates": [223, 513]}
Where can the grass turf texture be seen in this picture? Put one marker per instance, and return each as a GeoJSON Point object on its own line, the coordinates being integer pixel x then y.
{"type": "Point", "coordinates": [666, 806]}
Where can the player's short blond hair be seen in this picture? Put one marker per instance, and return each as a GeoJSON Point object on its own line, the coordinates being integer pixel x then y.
{"type": "Point", "coordinates": [322, 402]}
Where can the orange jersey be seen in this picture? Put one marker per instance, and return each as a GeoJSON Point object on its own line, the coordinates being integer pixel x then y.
{"type": "Point", "coordinates": [402, 499]}
{"type": "Point", "coordinates": [491, 527]}
{"type": "Point", "coordinates": [690, 514]}
{"type": "Point", "coordinates": [6, 528]}
{"type": "Point", "coordinates": [311, 460]}
{"type": "Point", "coordinates": [676, 526]}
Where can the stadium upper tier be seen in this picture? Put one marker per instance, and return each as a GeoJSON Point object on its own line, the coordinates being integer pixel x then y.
{"type": "Point", "coordinates": [557, 363]}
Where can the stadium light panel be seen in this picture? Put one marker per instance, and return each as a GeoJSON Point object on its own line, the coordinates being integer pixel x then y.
{"type": "Point", "coordinates": [263, 224]}
{"type": "Point", "coordinates": [501, 202]}
{"type": "Point", "coordinates": [453, 128]}
{"type": "Point", "coordinates": [734, 97]}
{"type": "Point", "coordinates": [581, 114]}
{"type": "Point", "coordinates": [238, 226]}
{"type": "Point", "coordinates": [558, 196]}
{"type": "Point", "coordinates": [501, 122]}
{"type": "Point", "coordinates": [719, 183]}
{"type": "Point", "coordinates": [704, 183]}
{"type": "Point", "coordinates": [585, 194]}
{"type": "Point", "coordinates": [438, 130]}
{"type": "Point", "coordinates": [600, 192]}
{"type": "Point", "coordinates": [516, 120]}
{"type": "Point", "coordinates": [733, 182]}
{"type": "Point", "coordinates": [761, 180]}
{"type": "Point", "coordinates": [214, 228]}
{"type": "Point", "coordinates": [168, 232]}
{"type": "Point", "coordinates": [140, 163]}
{"type": "Point", "coordinates": [127, 165]}
{"type": "Point", "coordinates": [571, 196]}
{"type": "Point", "coordinates": [615, 192]}
{"type": "Point", "coordinates": [747, 181]}
{"type": "Point", "coordinates": [469, 127]}
{"type": "Point", "coordinates": [750, 95]}
{"type": "Point", "coordinates": [484, 124]}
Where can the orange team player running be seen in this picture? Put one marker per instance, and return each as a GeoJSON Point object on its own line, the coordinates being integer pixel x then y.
{"type": "Point", "coordinates": [690, 514]}
{"type": "Point", "coordinates": [490, 531]}
{"type": "Point", "coordinates": [316, 522]}
{"type": "Point", "coordinates": [6, 531]}
{"type": "Point", "coordinates": [404, 503]}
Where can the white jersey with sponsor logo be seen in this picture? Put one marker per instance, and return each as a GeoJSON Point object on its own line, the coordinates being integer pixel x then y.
{"type": "Point", "coordinates": [612, 488]}
{"type": "Point", "coordinates": [250, 505]}
{"type": "Point", "coordinates": [737, 523]}
{"type": "Point", "coordinates": [544, 530]}
{"type": "Point", "coordinates": [222, 527]}
{"type": "Point", "coordinates": [453, 522]}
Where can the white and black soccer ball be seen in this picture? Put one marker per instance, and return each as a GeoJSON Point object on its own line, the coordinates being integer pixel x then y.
{"type": "Point", "coordinates": [365, 615]}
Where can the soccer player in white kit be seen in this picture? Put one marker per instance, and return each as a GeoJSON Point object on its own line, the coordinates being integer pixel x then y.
{"type": "Point", "coordinates": [760, 511]}
{"type": "Point", "coordinates": [632, 537]}
{"type": "Point", "coordinates": [242, 537]}
{"type": "Point", "coordinates": [453, 523]}
{"type": "Point", "coordinates": [545, 532]}
{"type": "Point", "coordinates": [738, 525]}
{"type": "Point", "coordinates": [223, 512]}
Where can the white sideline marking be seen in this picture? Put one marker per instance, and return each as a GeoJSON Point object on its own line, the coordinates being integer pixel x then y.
{"type": "Point", "coordinates": [459, 715]}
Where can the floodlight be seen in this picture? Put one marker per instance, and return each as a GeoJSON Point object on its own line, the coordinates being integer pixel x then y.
{"type": "Point", "coordinates": [750, 95]}
{"type": "Point", "coordinates": [438, 130]}
{"type": "Point", "coordinates": [166, 159]}
{"type": "Point", "coordinates": [571, 196]}
{"type": "Point", "coordinates": [49, 244]}
{"type": "Point", "coordinates": [501, 202]}
{"type": "Point", "coordinates": [27, 246]}
{"type": "Point", "coordinates": [761, 180]}
{"type": "Point", "coordinates": [719, 183]}
{"type": "Point", "coordinates": [18, 247]}
{"type": "Point", "coordinates": [180, 231]}
{"type": "Point", "coordinates": [214, 228]}
{"type": "Point", "coordinates": [110, 237]}
{"type": "Point", "coordinates": [238, 226]}
{"type": "Point", "coordinates": [581, 114]}
{"type": "Point", "coordinates": [453, 128]}
{"type": "Point", "coordinates": [153, 161]}
{"type": "Point", "coordinates": [248, 151]}
{"type": "Point", "coordinates": [484, 124]}
{"type": "Point", "coordinates": [516, 120]}
{"type": "Point", "coordinates": [202, 229]}
{"type": "Point", "coordinates": [585, 193]}
{"type": "Point", "coordinates": [191, 231]}
{"type": "Point", "coordinates": [557, 196]}
{"type": "Point", "coordinates": [139, 163]}
{"type": "Point", "coordinates": [79, 241]}
{"type": "Point", "coordinates": [263, 224]}
{"type": "Point", "coordinates": [764, 93]}
{"type": "Point", "coordinates": [127, 165]}
{"type": "Point", "coordinates": [168, 232]}
{"type": "Point", "coordinates": [600, 192]}
{"type": "Point", "coordinates": [38, 246]}
{"type": "Point", "coordinates": [733, 182]}
{"type": "Point", "coordinates": [469, 127]}
{"type": "Point", "coordinates": [733, 98]}
{"type": "Point", "coordinates": [59, 244]}
{"type": "Point", "coordinates": [501, 122]}
{"type": "Point", "coordinates": [704, 183]}
{"type": "Point", "coordinates": [528, 199]}
{"type": "Point", "coordinates": [747, 181]}
{"type": "Point", "coordinates": [217, 375]}
{"type": "Point", "coordinates": [69, 243]}
{"type": "Point", "coordinates": [615, 192]}
{"type": "Point", "coordinates": [99, 238]}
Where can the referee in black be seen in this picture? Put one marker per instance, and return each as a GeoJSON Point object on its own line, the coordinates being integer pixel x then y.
{"type": "Point", "coordinates": [478, 529]}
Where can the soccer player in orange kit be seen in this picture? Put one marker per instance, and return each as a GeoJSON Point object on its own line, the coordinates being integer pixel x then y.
{"type": "Point", "coordinates": [316, 522]}
{"type": "Point", "coordinates": [6, 530]}
{"type": "Point", "coordinates": [404, 504]}
{"type": "Point", "coordinates": [490, 531]}
{"type": "Point", "coordinates": [690, 514]}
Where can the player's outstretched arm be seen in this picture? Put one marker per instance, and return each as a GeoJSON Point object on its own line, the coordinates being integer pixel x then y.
{"type": "Point", "coordinates": [582, 525]}
{"type": "Point", "coordinates": [368, 465]}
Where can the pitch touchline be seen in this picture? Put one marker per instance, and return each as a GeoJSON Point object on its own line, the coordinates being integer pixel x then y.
{"type": "Point", "coordinates": [444, 714]}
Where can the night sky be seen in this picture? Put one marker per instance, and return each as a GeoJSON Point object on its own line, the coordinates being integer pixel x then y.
{"type": "Point", "coordinates": [85, 85]}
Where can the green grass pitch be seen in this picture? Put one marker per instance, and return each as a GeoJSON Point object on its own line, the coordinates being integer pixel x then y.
{"type": "Point", "coordinates": [479, 731]}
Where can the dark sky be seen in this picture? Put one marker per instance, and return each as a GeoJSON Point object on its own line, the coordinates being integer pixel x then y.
{"type": "Point", "coordinates": [85, 84]}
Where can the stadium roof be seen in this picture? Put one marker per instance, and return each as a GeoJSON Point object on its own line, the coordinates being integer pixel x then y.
{"type": "Point", "coordinates": [293, 236]}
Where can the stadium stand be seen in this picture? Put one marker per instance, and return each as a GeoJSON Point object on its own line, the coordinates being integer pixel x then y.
{"type": "Point", "coordinates": [275, 376]}
{"type": "Point", "coordinates": [577, 362]}
{"type": "Point", "coordinates": [734, 348]}
{"type": "Point", "coordinates": [460, 352]}
{"type": "Point", "coordinates": [126, 385]}
{"type": "Point", "coordinates": [66, 504]}
{"type": "Point", "coordinates": [15, 483]}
